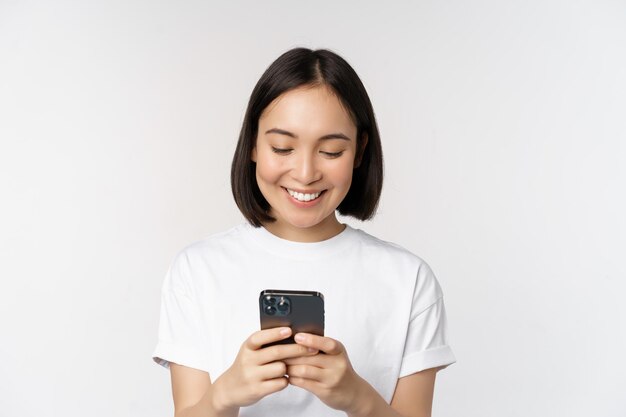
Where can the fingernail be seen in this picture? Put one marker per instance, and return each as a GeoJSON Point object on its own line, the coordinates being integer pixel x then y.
{"type": "Point", "coordinates": [285, 331]}
{"type": "Point", "coordinates": [299, 338]}
{"type": "Point", "coordinates": [312, 350]}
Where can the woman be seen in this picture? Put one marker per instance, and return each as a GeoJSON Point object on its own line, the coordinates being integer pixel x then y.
{"type": "Point", "coordinates": [309, 146]}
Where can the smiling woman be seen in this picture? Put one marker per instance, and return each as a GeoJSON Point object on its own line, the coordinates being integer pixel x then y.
{"type": "Point", "coordinates": [303, 172]}
{"type": "Point", "coordinates": [336, 82]}
{"type": "Point", "coordinates": [309, 147]}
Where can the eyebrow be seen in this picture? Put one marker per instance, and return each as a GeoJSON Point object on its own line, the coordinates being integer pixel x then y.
{"type": "Point", "coordinates": [337, 135]}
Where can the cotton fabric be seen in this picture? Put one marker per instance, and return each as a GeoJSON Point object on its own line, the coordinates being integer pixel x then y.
{"type": "Point", "coordinates": [382, 302]}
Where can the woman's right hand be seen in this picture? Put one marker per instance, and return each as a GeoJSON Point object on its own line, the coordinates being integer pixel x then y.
{"type": "Point", "coordinates": [256, 372]}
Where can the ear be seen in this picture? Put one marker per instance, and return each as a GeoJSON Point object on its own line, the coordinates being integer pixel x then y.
{"type": "Point", "coordinates": [360, 151]}
{"type": "Point", "coordinates": [253, 155]}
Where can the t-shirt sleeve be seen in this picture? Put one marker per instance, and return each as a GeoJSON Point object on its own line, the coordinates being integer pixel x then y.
{"type": "Point", "coordinates": [426, 344]}
{"type": "Point", "coordinates": [182, 338]}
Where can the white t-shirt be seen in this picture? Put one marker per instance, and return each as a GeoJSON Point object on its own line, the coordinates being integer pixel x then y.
{"type": "Point", "coordinates": [382, 302]}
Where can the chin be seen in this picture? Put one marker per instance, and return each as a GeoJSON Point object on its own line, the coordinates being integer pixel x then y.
{"type": "Point", "coordinates": [304, 223]}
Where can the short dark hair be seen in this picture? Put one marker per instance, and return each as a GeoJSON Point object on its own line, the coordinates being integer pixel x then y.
{"type": "Point", "coordinates": [305, 67]}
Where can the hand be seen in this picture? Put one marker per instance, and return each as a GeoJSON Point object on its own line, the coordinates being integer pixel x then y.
{"type": "Point", "coordinates": [256, 372]}
{"type": "Point", "coordinates": [330, 377]}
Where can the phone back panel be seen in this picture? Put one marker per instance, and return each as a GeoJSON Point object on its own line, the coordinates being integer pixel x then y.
{"type": "Point", "coordinates": [302, 311]}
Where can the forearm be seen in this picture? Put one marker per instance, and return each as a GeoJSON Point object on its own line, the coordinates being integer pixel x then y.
{"type": "Point", "coordinates": [209, 406]}
{"type": "Point", "coordinates": [371, 404]}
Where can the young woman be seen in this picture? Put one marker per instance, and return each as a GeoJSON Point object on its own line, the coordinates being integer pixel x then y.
{"type": "Point", "coordinates": [309, 146]}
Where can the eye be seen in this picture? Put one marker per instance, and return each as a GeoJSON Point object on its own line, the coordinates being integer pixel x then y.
{"type": "Point", "coordinates": [280, 151]}
{"type": "Point", "coordinates": [333, 154]}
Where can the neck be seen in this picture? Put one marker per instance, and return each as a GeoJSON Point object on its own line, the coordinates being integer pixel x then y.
{"type": "Point", "coordinates": [322, 231]}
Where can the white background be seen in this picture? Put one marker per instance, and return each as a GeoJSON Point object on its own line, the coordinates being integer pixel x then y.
{"type": "Point", "coordinates": [503, 126]}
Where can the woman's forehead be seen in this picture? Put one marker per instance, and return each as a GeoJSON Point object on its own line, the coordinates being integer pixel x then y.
{"type": "Point", "coordinates": [308, 107]}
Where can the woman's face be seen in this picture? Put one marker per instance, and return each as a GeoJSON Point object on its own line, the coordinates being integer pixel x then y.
{"type": "Point", "coordinates": [306, 144]}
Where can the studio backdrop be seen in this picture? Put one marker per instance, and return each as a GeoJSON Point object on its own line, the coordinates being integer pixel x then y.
{"type": "Point", "coordinates": [503, 131]}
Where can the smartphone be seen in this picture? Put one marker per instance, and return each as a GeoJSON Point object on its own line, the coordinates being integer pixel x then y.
{"type": "Point", "coordinates": [303, 311]}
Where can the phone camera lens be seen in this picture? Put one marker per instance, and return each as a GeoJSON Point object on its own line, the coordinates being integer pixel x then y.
{"type": "Point", "coordinates": [270, 310]}
{"type": "Point", "coordinates": [283, 305]}
{"type": "Point", "coordinates": [269, 300]}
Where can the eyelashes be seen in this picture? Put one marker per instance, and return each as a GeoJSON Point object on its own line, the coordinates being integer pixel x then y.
{"type": "Point", "coordinates": [280, 151]}
{"type": "Point", "coordinates": [332, 154]}
{"type": "Point", "coordinates": [287, 151]}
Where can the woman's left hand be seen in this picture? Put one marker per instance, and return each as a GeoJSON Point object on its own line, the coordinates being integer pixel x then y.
{"type": "Point", "coordinates": [328, 376]}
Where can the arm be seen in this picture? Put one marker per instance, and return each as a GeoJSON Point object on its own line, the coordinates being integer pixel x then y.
{"type": "Point", "coordinates": [193, 394]}
{"type": "Point", "coordinates": [413, 397]}
{"type": "Point", "coordinates": [414, 393]}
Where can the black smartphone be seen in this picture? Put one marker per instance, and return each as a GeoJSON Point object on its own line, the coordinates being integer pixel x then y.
{"type": "Point", "coordinates": [303, 311]}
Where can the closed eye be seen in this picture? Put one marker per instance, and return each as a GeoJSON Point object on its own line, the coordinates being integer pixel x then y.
{"type": "Point", "coordinates": [333, 154]}
{"type": "Point", "coordinates": [280, 151]}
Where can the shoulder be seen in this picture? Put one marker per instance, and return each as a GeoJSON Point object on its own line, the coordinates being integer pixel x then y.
{"type": "Point", "coordinates": [199, 253]}
{"type": "Point", "coordinates": [213, 245]}
{"type": "Point", "coordinates": [217, 240]}
{"type": "Point", "coordinates": [392, 257]}
{"type": "Point", "coordinates": [387, 250]}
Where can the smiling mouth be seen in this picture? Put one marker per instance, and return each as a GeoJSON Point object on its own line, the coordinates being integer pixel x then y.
{"type": "Point", "coordinates": [304, 197]}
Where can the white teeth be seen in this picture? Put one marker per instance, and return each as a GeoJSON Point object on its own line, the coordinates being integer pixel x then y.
{"type": "Point", "coordinates": [303, 197]}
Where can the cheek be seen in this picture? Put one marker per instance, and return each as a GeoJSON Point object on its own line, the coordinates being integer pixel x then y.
{"type": "Point", "coordinates": [341, 174]}
{"type": "Point", "coordinates": [269, 169]}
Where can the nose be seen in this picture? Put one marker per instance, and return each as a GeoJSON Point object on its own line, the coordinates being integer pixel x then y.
{"type": "Point", "coordinates": [305, 169]}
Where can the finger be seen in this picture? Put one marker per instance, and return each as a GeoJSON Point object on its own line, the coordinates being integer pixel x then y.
{"type": "Point", "coordinates": [272, 370]}
{"type": "Point", "coordinates": [324, 344]}
{"type": "Point", "coordinates": [282, 352]}
{"type": "Point", "coordinates": [273, 385]}
{"type": "Point", "coordinates": [307, 384]}
{"type": "Point", "coordinates": [263, 337]}
{"type": "Point", "coordinates": [305, 371]}
{"type": "Point", "coordinates": [321, 361]}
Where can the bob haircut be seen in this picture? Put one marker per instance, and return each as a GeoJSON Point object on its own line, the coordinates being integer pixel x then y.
{"type": "Point", "coordinates": [302, 67]}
